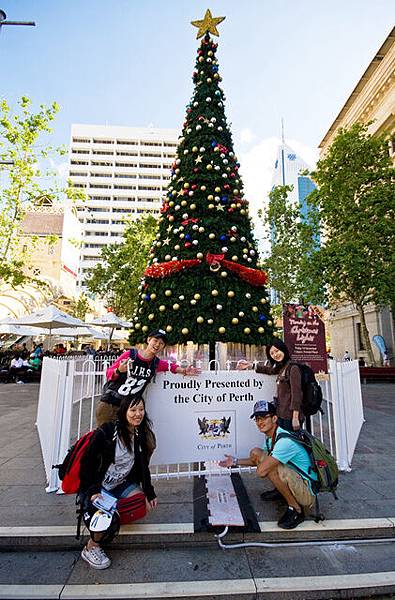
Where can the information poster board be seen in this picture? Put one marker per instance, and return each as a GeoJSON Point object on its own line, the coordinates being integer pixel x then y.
{"type": "Point", "coordinates": [304, 335]}
{"type": "Point", "coordinates": [205, 417]}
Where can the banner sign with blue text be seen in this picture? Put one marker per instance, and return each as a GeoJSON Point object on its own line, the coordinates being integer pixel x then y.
{"type": "Point", "coordinates": [204, 417]}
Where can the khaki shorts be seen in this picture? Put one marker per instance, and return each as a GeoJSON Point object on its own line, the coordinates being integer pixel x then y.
{"type": "Point", "coordinates": [105, 412]}
{"type": "Point", "coordinates": [298, 486]}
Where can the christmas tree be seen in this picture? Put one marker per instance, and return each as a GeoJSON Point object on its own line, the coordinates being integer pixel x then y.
{"type": "Point", "coordinates": [202, 282]}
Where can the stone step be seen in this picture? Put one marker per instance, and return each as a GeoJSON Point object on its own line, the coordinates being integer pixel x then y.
{"type": "Point", "coordinates": [337, 571]}
{"type": "Point", "coordinates": [146, 534]}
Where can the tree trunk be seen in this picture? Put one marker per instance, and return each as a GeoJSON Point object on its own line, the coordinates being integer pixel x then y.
{"type": "Point", "coordinates": [211, 355]}
{"type": "Point", "coordinates": [365, 335]}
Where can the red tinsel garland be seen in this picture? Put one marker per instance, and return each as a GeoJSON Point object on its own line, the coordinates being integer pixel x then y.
{"type": "Point", "coordinates": [254, 277]}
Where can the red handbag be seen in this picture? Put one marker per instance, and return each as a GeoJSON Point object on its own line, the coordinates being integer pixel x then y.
{"type": "Point", "coordinates": [132, 508]}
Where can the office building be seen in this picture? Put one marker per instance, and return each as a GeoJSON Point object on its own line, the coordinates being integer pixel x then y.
{"type": "Point", "coordinates": [124, 172]}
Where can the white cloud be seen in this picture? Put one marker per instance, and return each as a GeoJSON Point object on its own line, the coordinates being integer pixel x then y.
{"type": "Point", "coordinates": [61, 168]}
{"type": "Point", "coordinates": [246, 136]}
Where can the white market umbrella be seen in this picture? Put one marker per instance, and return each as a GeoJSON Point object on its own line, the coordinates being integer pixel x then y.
{"type": "Point", "coordinates": [22, 330]}
{"type": "Point", "coordinates": [49, 318]}
{"type": "Point", "coordinates": [79, 332]}
{"type": "Point", "coordinates": [112, 321]}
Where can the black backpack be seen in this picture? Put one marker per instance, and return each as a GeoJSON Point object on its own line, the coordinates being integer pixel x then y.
{"type": "Point", "coordinates": [311, 390]}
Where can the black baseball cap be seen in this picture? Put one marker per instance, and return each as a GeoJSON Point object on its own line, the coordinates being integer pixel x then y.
{"type": "Point", "coordinates": [160, 334]}
{"type": "Point", "coordinates": [262, 408]}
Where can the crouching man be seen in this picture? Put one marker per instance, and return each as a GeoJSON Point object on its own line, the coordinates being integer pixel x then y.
{"type": "Point", "coordinates": [284, 462]}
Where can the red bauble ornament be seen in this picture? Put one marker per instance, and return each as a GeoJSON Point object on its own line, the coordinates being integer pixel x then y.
{"type": "Point", "coordinates": [187, 244]}
{"type": "Point", "coordinates": [230, 210]}
{"type": "Point", "coordinates": [194, 186]}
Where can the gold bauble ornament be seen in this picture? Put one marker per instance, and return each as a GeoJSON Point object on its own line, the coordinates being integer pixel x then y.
{"type": "Point", "coordinates": [211, 236]}
{"type": "Point", "coordinates": [217, 189]}
{"type": "Point", "coordinates": [209, 167]}
{"type": "Point", "coordinates": [199, 255]}
{"type": "Point", "coordinates": [151, 316]}
{"type": "Point", "coordinates": [270, 323]}
{"type": "Point", "coordinates": [200, 320]}
{"type": "Point", "coordinates": [235, 258]}
{"type": "Point", "coordinates": [176, 306]}
{"type": "Point", "coordinates": [186, 185]}
{"type": "Point", "coordinates": [195, 149]}
{"type": "Point", "coordinates": [214, 292]}
{"type": "Point", "coordinates": [137, 325]}
{"type": "Point", "coordinates": [171, 218]}
{"type": "Point", "coordinates": [203, 188]}
{"type": "Point", "coordinates": [221, 329]}
{"type": "Point", "coordinates": [254, 309]}
{"type": "Point", "coordinates": [235, 320]}
{"type": "Point", "coordinates": [185, 331]}
{"type": "Point", "coordinates": [210, 321]}
{"type": "Point", "coordinates": [210, 198]}
{"type": "Point", "coordinates": [261, 330]}
{"type": "Point", "coordinates": [193, 206]}
{"type": "Point", "coordinates": [144, 328]}
{"type": "Point", "coordinates": [167, 257]}
{"type": "Point", "coordinates": [211, 206]}
{"type": "Point", "coordinates": [168, 328]}
{"type": "Point", "coordinates": [247, 330]}
{"type": "Point", "coordinates": [168, 292]}
{"type": "Point", "coordinates": [231, 294]}
{"type": "Point", "coordinates": [263, 300]}
{"type": "Point", "coordinates": [242, 211]}
{"type": "Point", "coordinates": [184, 203]}
{"type": "Point", "coordinates": [162, 308]}
{"type": "Point", "coordinates": [197, 296]}
{"type": "Point", "coordinates": [224, 274]}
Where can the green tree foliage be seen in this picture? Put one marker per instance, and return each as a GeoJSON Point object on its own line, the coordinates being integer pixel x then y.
{"type": "Point", "coordinates": [79, 307]}
{"type": "Point", "coordinates": [205, 213]}
{"type": "Point", "coordinates": [293, 263]}
{"type": "Point", "coordinates": [116, 279]}
{"type": "Point", "coordinates": [355, 200]}
{"type": "Point", "coordinates": [22, 143]}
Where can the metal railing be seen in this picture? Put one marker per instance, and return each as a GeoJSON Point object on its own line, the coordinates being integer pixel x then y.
{"type": "Point", "coordinates": [70, 389]}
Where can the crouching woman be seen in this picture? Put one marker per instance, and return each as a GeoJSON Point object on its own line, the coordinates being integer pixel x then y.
{"type": "Point", "coordinates": [116, 463]}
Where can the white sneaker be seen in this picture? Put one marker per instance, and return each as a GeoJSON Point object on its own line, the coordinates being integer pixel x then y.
{"type": "Point", "coordinates": [96, 557]}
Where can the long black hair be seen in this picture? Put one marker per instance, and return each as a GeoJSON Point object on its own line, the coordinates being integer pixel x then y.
{"type": "Point", "coordinates": [144, 430]}
{"type": "Point", "coordinates": [280, 345]}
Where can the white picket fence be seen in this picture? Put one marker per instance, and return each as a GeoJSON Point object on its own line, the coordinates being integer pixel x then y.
{"type": "Point", "coordinates": [70, 388]}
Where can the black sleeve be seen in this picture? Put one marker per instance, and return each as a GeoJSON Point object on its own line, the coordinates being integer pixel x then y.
{"type": "Point", "coordinates": [93, 464]}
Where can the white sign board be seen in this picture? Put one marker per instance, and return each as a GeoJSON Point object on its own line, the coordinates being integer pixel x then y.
{"type": "Point", "coordinates": [204, 417]}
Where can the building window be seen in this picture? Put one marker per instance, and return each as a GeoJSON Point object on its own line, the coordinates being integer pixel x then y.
{"type": "Point", "coordinates": [102, 187]}
{"type": "Point", "coordinates": [103, 152]}
{"type": "Point", "coordinates": [97, 141]}
{"type": "Point", "coordinates": [76, 174]}
{"type": "Point", "coordinates": [150, 187]}
{"type": "Point", "coordinates": [123, 164]}
{"type": "Point", "coordinates": [127, 142]}
{"type": "Point", "coordinates": [79, 162]}
{"type": "Point", "coordinates": [100, 163]}
{"type": "Point", "coordinates": [99, 198]}
{"type": "Point", "coordinates": [81, 140]}
{"type": "Point", "coordinates": [79, 151]}
{"type": "Point", "coordinates": [126, 153]}
{"type": "Point", "coordinates": [170, 144]}
{"type": "Point", "coordinates": [144, 143]}
{"type": "Point", "coordinates": [101, 174]}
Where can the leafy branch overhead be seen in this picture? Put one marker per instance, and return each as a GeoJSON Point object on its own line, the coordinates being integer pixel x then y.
{"type": "Point", "coordinates": [116, 278]}
{"type": "Point", "coordinates": [23, 145]}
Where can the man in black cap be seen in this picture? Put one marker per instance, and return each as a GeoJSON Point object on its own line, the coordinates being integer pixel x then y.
{"type": "Point", "coordinates": [130, 374]}
{"type": "Point", "coordinates": [285, 462]}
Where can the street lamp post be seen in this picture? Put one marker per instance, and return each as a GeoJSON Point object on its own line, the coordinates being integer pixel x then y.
{"type": "Point", "coordinates": [3, 21]}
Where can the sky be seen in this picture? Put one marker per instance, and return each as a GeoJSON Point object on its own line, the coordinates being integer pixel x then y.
{"type": "Point", "coordinates": [130, 62]}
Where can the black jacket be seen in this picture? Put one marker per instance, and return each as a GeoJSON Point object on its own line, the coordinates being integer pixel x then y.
{"type": "Point", "coordinates": [101, 453]}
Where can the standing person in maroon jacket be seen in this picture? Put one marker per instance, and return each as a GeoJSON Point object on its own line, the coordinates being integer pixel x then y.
{"type": "Point", "coordinates": [132, 372]}
{"type": "Point", "coordinates": [289, 391]}
{"type": "Point", "coordinates": [289, 384]}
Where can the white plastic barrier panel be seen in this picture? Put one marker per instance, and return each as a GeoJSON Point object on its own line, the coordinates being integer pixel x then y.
{"type": "Point", "coordinates": [204, 417]}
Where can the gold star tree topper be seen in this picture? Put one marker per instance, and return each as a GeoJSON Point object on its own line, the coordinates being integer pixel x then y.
{"type": "Point", "coordinates": [209, 23]}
